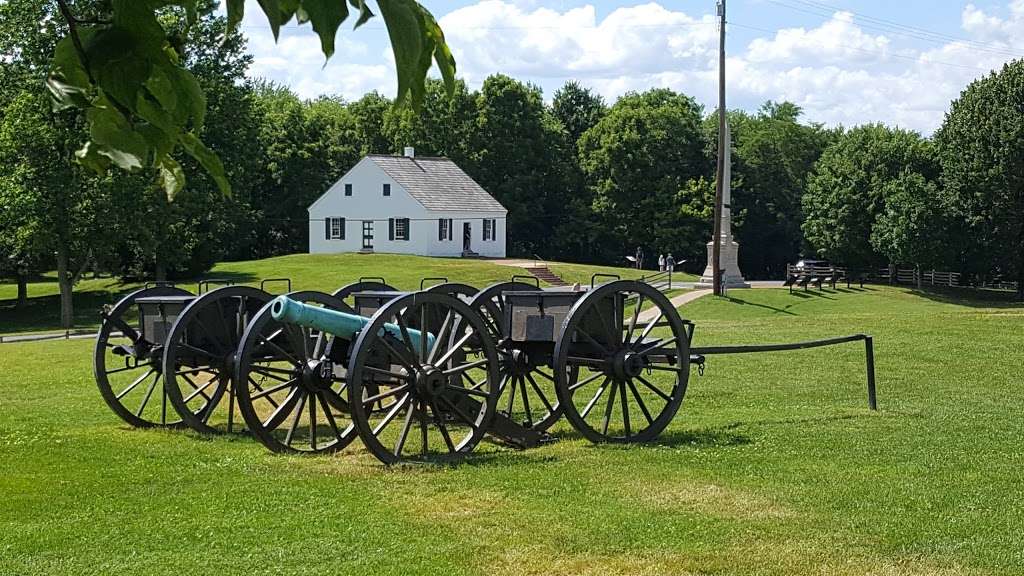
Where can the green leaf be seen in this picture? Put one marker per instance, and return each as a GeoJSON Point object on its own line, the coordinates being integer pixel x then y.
{"type": "Point", "coordinates": [68, 81]}
{"type": "Point", "coordinates": [236, 11]}
{"type": "Point", "coordinates": [89, 157]}
{"type": "Point", "coordinates": [208, 160]}
{"type": "Point", "coordinates": [364, 11]}
{"type": "Point", "coordinates": [171, 177]}
{"type": "Point", "coordinates": [114, 137]}
{"type": "Point", "coordinates": [273, 11]}
{"type": "Point", "coordinates": [120, 64]}
{"type": "Point", "coordinates": [404, 25]}
{"type": "Point", "coordinates": [326, 17]}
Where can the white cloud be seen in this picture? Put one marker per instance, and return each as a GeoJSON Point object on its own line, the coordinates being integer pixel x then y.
{"type": "Point", "coordinates": [296, 60]}
{"type": "Point", "coordinates": [838, 71]}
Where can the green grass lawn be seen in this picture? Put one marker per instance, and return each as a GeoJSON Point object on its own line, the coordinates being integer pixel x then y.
{"type": "Point", "coordinates": [774, 466]}
{"type": "Point", "coordinates": [582, 273]}
{"type": "Point", "coordinates": [323, 272]}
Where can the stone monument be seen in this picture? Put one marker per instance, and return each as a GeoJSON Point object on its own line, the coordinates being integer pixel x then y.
{"type": "Point", "coordinates": [730, 251]}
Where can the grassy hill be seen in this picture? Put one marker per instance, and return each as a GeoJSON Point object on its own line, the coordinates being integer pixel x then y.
{"type": "Point", "coordinates": [323, 272]}
{"type": "Point", "coordinates": [774, 466]}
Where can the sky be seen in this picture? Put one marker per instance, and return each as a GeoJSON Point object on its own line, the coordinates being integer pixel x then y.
{"type": "Point", "coordinates": [844, 62]}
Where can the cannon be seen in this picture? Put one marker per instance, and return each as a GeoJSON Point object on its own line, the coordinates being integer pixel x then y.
{"type": "Point", "coordinates": [424, 392]}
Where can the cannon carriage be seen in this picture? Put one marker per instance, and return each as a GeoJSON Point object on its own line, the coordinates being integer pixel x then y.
{"type": "Point", "coordinates": [416, 376]}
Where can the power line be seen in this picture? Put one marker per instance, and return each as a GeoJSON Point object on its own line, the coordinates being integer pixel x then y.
{"type": "Point", "coordinates": [696, 23]}
{"type": "Point", "coordinates": [891, 27]}
{"type": "Point", "coordinates": [878, 52]}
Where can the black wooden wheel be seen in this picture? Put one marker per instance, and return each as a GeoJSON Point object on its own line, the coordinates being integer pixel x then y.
{"type": "Point", "coordinates": [199, 358]}
{"type": "Point", "coordinates": [129, 370]}
{"type": "Point", "coordinates": [464, 292]}
{"type": "Point", "coordinates": [527, 385]}
{"type": "Point", "coordinates": [441, 396]}
{"type": "Point", "coordinates": [633, 363]}
{"type": "Point", "coordinates": [345, 292]}
{"type": "Point", "coordinates": [296, 397]}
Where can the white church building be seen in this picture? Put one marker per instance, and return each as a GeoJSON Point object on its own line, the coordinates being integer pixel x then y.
{"type": "Point", "coordinates": [407, 205]}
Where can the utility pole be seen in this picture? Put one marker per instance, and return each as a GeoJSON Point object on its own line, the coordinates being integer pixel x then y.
{"type": "Point", "coordinates": [716, 235]}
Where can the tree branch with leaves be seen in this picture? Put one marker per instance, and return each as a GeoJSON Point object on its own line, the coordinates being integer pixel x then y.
{"type": "Point", "coordinates": [142, 106]}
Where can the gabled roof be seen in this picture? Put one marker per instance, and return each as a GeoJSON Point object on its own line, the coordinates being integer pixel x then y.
{"type": "Point", "coordinates": [437, 183]}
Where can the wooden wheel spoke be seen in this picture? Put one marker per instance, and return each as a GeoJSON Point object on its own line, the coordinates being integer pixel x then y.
{"type": "Point", "coordinates": [329, 415]}
{"type": "Point", "coordinates": [125, 369]}
{"type": "Point", "coordinates": [391, 414]}
{"type": "Point", "coordinates": [378, 397]}
{"type": "Point", "coordinates": [649, 327]}
{"type": "Point", "coordinates": [295, 421]}
{"type": "Point", "coordinates": [511, 383]}
{"type": "Point", "coordinates": [455, 348]}
{"type": "Point", "coordinates": [402, 358]}
{"type": "Point", "coordinates": [657, 344]}
{"type": "Point", "coordinates": [640, 402]}
{"type": "Point", "coordinates": [263, 392]}
{"type": "Point", "coordinates": [540, 393]}
{"type": "Point", "coordinates": [273, 373]}
{"type": "Point", "coordinates": [199, 351]}
{"type": "Point", "coordinates": [439, 422]}
{"type": "Point", "coordinates": [446, 326]}
{"type": "Point", "coordinates": [585, 381]}
{"type": "Point", "coordinates": [286, 406]}
{"type": "Point", "coordinates": [608, 408]}
{"type": "Point", "coordinates": [135, 384]}
{"type": "Point", "coordinates": [653, 388]}
{"type": "Point", "coordinates": [424, 444]}
{"type": "Point", "coordinates": [312, 423]}
{"type": "Point", "coordinates": [625, 408]}
{"type": "Point", "coordinates": [458, 412]}
{"type": "Point", "coordinates": [526, 401]}
{"type": "Point", "coordinates": [465, 367]}
{"type": "Point", "coordinates": [614, 336]}
{"type": "Point", "coordinates": [593, 401]}
{"type": "Point", "coordinates": [198, 390]}
{"type": "Point", "coordinates": [592, 340]}
{"type": "Point", "coordinates": [636, 317]}
{"type": "Point", "coordinates": [149, 393]}
{"type": "Point", "coordinates": [280, 350]}
{"type": "Point", "coordinates": [406, 425]}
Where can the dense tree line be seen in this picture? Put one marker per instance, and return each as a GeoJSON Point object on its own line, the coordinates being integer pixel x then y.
{"type": "Point", "coordinates": [583, 180]}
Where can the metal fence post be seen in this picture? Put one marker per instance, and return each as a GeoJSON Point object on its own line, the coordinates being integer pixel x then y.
{"type": "Point", "coordinates": [869, 351]}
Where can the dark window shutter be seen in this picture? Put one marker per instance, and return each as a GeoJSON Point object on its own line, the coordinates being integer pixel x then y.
{"type": "Point", "coordinates": [342, 228]}
{"type": "Point", "coordinates": [391, 228]}
{"type": "Point", "coordinates": [327, 221]}
{"type": "Point", "coordinates": [450, 229]}
{"type": "Point", "coordinates": [440, 228]}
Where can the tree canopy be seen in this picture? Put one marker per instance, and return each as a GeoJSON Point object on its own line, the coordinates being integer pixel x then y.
{"type": "Point", "coordinates": [981, 147]}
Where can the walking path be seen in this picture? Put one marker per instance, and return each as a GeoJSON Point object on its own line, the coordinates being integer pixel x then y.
{"type": "Point", "coordinates": [685, 298]}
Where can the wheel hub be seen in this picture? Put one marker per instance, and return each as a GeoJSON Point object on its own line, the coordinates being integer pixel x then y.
{"type": "Point", "coordinates": [430, 382]}
{"type": "Point", "coordinates": [628, 364]}
{"type": "Point", "coordinates": [317, 375]}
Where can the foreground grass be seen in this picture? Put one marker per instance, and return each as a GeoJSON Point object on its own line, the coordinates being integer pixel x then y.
{"type": "Point", "coordinates": [773, 466]}
{"type": "Point", "coordinates": [323, 272]}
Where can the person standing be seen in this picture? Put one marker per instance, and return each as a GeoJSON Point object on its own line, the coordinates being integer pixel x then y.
{"type": "Point", "coordinates": [639, 257]}
{"type": "Point", "coordinates": [670, 263]}
{"type": "Point", "coordinates": [661, 262]}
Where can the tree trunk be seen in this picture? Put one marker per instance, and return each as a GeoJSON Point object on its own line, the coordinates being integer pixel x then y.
{"type": "Point", "coordinates": [22, 291]}
{"type": "Point", "coordinates": [918, 273]}
{"type": "Point", "coordinates": [161, 271]}
{"type": "Point", "coordinates": [67, 312]}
